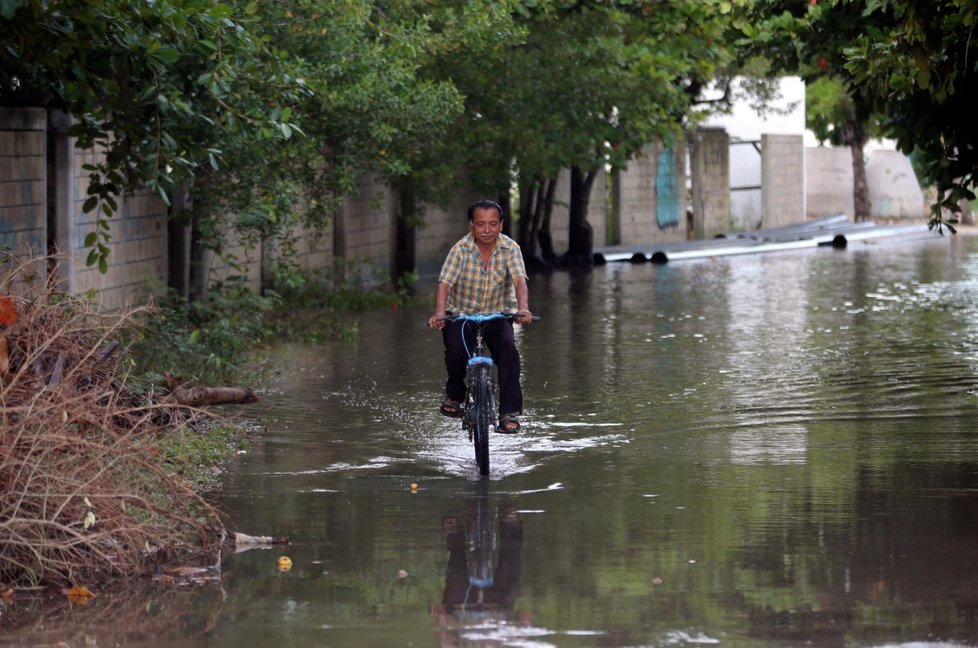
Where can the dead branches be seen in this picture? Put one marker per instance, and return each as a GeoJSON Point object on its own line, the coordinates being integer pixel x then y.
{"type": "Point", "coordinates": [83, 491]}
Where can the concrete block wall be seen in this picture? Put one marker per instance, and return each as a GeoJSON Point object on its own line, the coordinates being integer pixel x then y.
{"type": "Point", "coordinates": [23, 181]}
{"type": "Point", "coordinates": [894, 191]}
{"type": "Point", "coordinates": [710, 173]}
{"type": "Point", "coordinates": [314, 247]}
{"type": "Point", "coordinates": [369, 227]}
{"type": "Point", "coordinates": [137, 262]}
{"type": "Point", "coordinates": [360, 233]}
{"type": "Point", "coordinates": [310, 248]}
{"type": "Point", "coordinates": [442, 227]}
{"type": "Point", "coordinates": [240, 261]}
{"type": "Point", "coordinates": [635, 196]}
{"type": "Point", "coordinates": [637, 200]}
{"type": "Point", "coordinates": [783, 180]}
{"type": "Point", "coordinates": [828, 182]}
{"type": "Point", "coordinates": [596, 214]}
{"type": "Point", "coordinates": [363, 234]}
{"type": "Point", "coordinates": [561, 213]}
{"type": "Point", "coordinates": [34, 184]}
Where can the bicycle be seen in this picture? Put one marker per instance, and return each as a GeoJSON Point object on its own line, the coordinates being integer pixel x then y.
{"type": "Point", "coordinates": [478, 409]}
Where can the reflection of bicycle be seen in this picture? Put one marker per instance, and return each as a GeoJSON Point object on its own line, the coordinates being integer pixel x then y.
{"type": "Point", "coordinates": [480, 545]}
{"type": "Point", "coordinates": [484, 562]}
{"type": "Point", "coordinates": [478, 410]}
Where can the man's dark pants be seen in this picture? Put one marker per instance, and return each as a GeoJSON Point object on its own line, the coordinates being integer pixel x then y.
{"type": "Point", "coordinates": [498, 337]}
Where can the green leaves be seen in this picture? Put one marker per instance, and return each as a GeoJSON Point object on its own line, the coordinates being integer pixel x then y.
{"type": "Point", "coordinates": [161, 88]}
{"type": "Point", "coordinates": [909, 64]}
{"type": "Point", "coordinates": [167, 55]}
{"type": "Point", "coordinates": [9, 7]}
{"type": "Point", "coordinates": [222, 11]}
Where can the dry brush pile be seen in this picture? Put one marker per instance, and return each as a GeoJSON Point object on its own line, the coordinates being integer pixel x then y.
{"type": "Point", "coordinates": [84, 493]}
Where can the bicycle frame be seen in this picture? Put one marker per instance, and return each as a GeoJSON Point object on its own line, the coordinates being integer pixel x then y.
{"type": "Point", "coordinates": [478, 410]}
{"type": "Point", "coordinates": [479, 406]}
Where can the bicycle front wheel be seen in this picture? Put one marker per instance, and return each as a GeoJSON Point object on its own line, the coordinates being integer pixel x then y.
{"type": "Point", "coordinates": [481, 388]}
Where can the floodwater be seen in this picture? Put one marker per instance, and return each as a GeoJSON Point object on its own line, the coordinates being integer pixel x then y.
{"type": "Point", "coordinates": [767, 450]}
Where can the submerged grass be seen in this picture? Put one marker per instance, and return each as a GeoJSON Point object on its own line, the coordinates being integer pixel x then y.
{"type": "Point", "coordinates": [210, 342]}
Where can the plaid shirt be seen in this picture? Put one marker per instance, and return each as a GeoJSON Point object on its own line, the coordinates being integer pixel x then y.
{"type": "Point", "coordinates": [474, 289]}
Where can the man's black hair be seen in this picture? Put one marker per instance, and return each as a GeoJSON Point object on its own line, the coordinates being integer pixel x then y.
{"type": "Point", "coordinates": [484, 204]}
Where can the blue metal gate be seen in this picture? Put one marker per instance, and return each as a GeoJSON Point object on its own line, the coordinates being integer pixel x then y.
{"type": "Point", "coordinates": [668, 204]}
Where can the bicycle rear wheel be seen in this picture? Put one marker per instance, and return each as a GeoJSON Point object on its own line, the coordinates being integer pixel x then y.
{"type": "Point", "coordinates": [480, 386]}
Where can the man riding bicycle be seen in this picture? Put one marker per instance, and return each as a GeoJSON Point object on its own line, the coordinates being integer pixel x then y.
{"type": "Point", "coordinates": [481, 273]}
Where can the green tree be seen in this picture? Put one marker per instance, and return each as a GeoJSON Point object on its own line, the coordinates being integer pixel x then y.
{"type": "Point", "coordinates": [906, 63]}
{"type": "Point", "coordinates": [163, 88]}
{"type": "Point", "coordinates": [263, 114]}
{"type": "Point", "coordinates": [810, 39]}
{"type": "Point", "coordinates": [367, 110]}
{"type": "Point", "coordinates": [588, 85]}
{"type": "Point", "coordinates": [838, 116]}
{"type": "Point", "coordinates": [918, 63]}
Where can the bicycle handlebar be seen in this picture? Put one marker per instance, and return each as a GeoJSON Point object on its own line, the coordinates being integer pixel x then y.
{"type": "Point", "coordinates": [480, 318]}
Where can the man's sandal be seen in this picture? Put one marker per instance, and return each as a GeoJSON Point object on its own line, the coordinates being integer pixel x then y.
{"type": "Point", "coordinates": [508, 424]}
{"type": "Point", "coordinates": [452, 408]}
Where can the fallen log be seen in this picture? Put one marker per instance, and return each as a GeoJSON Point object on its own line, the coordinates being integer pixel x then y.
{"type": "Point", "coordinates": [199, 396]}
{"type": "Point", "coordinates": [241, 542]}
{"type": "Point", "coordinates": [245, 540]}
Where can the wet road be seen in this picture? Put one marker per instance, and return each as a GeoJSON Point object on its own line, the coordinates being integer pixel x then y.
{"type": "Point", "coordinates": [757, 451]}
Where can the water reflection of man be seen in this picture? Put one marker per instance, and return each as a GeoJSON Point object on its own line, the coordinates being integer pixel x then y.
{"type": "Point", "coordinates": [468, 594]}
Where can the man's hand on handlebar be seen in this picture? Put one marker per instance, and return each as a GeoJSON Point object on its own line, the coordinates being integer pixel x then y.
{"type": "Point", "coordinates": [437, 320]}
{"type": "Point", "coordinates": [524, 316]}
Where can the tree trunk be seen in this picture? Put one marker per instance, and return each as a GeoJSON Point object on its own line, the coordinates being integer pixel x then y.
{"type": "Point", "coordinates": [178, 234]}
{"type": "Point", "coordinates": [407, 217]}
{"type": "Point", "coordinates": [580, 249]}
{"type": "Point", "coordinates": [199, 276]}
{"type": "Point", "coordinates": [542, 233]}
{"type": "Point", "coordinates": [528, 212]}
{"type": "Point", "coordinates": [854, 135]}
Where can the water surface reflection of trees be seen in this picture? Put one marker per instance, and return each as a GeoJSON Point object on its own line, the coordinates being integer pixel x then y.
{"type": "Point", "coordinates": [800, 462]}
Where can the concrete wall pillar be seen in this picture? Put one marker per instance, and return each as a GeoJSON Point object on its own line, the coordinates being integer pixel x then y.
{"type": "Point", "coordinates": [782, 180]}
{"type": "Point", "coordinates": [651, 197]}
{"type": "Point", "coordinates": [710, 179]}
{"type": "Point", "coordinates": [828, 182]}
{"type": "Point", "coordinates": [597, 214]}
{"type": "Point", "coordinates": [61, 189]}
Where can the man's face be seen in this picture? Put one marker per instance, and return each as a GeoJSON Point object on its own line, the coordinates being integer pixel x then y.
{"type": "Point", "coordinates": [485, 225]}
